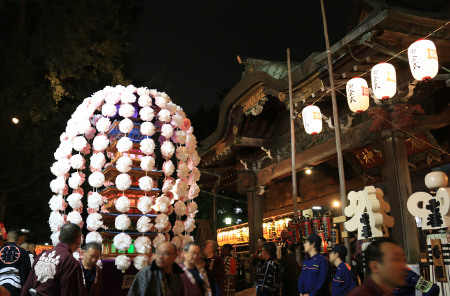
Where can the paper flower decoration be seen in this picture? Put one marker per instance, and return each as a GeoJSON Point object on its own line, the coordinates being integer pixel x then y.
{"type": "Point", "coordinates": [75, 180]}
{"type": "Point", "coordinates": [94, 237]}
{"type": "Point", "coordinates": [57, 203]}
{"type": "Point", "coordinates": [160, 238]}
{"type": "Point", "coordinates": [177, 121]}
{"type": "Point", "coordinates": [141, 262]}
{"type": "Point", "coordinates": [94, 221]}
{"type": "Point", "coordinates": [128, 97]}
{"type": "Point", "coordinates": [123, 204]}
{"type": "Point", "coordinates": [126, 126]}
{"type": "Point", "coordinates": [100, 143]}
{"type": "Point", "coordinates": [96, 179]}
{"type": "Point", "coordinates": [77, 161]}
{"type": "Point", "coordinates": [57, 185]}
{"type": "Point", "coordinates": [74, 200]}
{"type": "Point", "coordinates": [122, 241]}
{"type": "Point", "coordinates": [75, 218]}
{"type": "Point", "coordinates": [161, 221]}
{"type": "Point", "coordinates": [124, 164]}
{"type": "Point", "coordinates": [180, 208]}
{"type": "Point", "coordinates": [60, 167]}
{"type": "Point", "coordinates": [167, 130]}
{"type": "Point", "coordinates": [147, 146]}
{"type": "Point", "coordinates": [177, 241]}
{"type": "Point", "coordinates": [98, 160]}
{"type": "Point", "coordinates": [143, 245]}
{"type": "Point", "coordinates": [147, 163]}
{"type": "Point", "coordinates": [124, 144]}
{"type": "Point", "coordinates": [143, 224]}
{"type": "Point", "coordinates": [168, 185]}
{"type": "Point", "coordinates": [55, 238]}
{"type": "Point", "coordinates": [147, 113]}
{"type": "Point", "coordinates": [167, 149]}
{"type": "Point", "coordinates": [122, 222]}
{"type": "Point", "coordinates": [178, 227]}
{"type": "Point", "coordinates": [109, 110]}
{"type": "Point", "coordinates": [122, 262]}
{"type": "Point", "coordinates": [126, 110]}
{"type": "Point", "coordinates": [164, 115]}
{"type": "Point", "coordinates": [168, 168]}
{"type": "Point", "coordinates": [79, 143]}
{"type": "Point", "coordinates": [189, 224]}
{"type": "Point", "coordinates": [181, 153]}
{"type": "Point", "coordinates": [145, 204]}
{"type": "Point", "coordinates": [95, 201]}
{"type": "Point", "coordinates": [161, 101]}
{"type": "Point", "coordinates": [145, 100]}
{"type": "Point", "coordinates": [123, 182]}
{"type": "Point", "coordinates": [147, 128]}
{"type": "Point", "coordinates": [56, 221]}
{"type": "Point", "coordinates": [183, 170]}
{"type": "Point", "coordinates": [103, 124]}
{"type": "Point", "coordinates": [146, 183]}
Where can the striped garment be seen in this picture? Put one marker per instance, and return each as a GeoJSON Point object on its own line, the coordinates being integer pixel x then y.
{"type": "Point", "coordinates": [269, 279]}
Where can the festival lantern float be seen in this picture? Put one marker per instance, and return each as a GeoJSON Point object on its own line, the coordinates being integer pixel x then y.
{"type": "Point", "coordinates": [384, 81]}
{"type": "Point", "coordinates": [142, 165]}
{"type": "Point", "coordinates": [312, 119]}
{"type": "Point", "coordinates": [357, 95]}
{"type": "Point", "coordinates": [434, 211]}
{"type": "Point", "coordinates": [423, 60]}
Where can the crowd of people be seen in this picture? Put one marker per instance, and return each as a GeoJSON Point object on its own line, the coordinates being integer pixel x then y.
{"type": "Point", "coordinates": [201, 272]}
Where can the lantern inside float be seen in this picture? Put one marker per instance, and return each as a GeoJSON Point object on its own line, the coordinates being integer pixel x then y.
{"type": "Point", "coordinates": [423, 60]}
{"type": "Point", "coordinates": [357, 95]}
{"type": "Point", "coordinates": [384, 81]}
{"type": "Point", "coordinates": [312, 119]}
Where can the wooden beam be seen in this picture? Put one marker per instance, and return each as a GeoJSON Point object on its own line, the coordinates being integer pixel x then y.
{"type": "Point", "coordinates": [251, 142]}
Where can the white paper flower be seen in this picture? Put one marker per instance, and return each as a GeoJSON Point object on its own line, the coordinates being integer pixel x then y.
{"type": "Point", "coordinates": [147, 163]}
{"type": "Point", "coordinates": [75, 180]}
{"type": "Point", "coordinates": [94, 237]}
{"type": "Point", "coordinates": [124, 144]}
{"type": "Point", "coordinates": [177, 121]}
{"type": "Point", "coordinates": [123, 182]}
{"type": "Point", "coordinates": [141, 262]}
{"type": "Point", "coordinates": [168, 185]}
{"type": "Point", "coordinates": [77, 161]}
{"type": "Point", "coordinates": [159, 239]}
{"type": "Point", "coordinates": [145, 204]}
{"type": "Point", "coordinates": [56, 221]}
{"type": "Point", "coordinates": [189, 224]}
{"type": "Point", "coordinates": [167, 149]}
{"type": "Point", "coordinates": [192, 207]}
{"type": "Point", "coordinates": [191, 141]}
{"type": "Point", "coordinates": [161, 221]}
{"type": "Point", "coordinates": [74, 200]}
{"type": "Point", "coordinates": [74, 217]}
{"type": "Point", "coordinates": [95, 201]}
{"type": "Point", "coordinates": [94, 221]}
{"type": "Point", "coordinates": [96, 179]}
{"type": "Point", "coordinates": [183, 170]}
{"type": "Point", "coordinates": [55, 238]}
{"type": "Point", "coordinates": [79, 143]}
{"type": "Point", "coordinates": [128, 97]}
{"type": "Point", "coordinates": [98, 160]}
{"type": "Point", "coordinates": [109, 110]}
{"type": "Point", "coordinates": [145, 100]}
{"type": "Point", "coordinates": [112, 98]}
{"type": "Point", "coordinates": [123, 204]}
{"type": "Point", "coordinates": [100, 143]}
{"type": "Point", "coordinates": [61, 167]}
{"type": "Point", "coordinates": [146, 183]}
{"type": "Point", "coordinates": [167, 130]}
{"type": "Point", "coordinates": [143, 245]}
{"type": "Point", "coordinates": [180, 208]}
{"type": "Point", "coordinates": [122, 222]}
{"type": "Point", "coordinates": [57, 185]}
{"type": "Point", "coordinates": [164, 115]}
{"type": "Point", "coordinates": [126, 126]}
{"type": "Point", "coordinates": [177, 241]}
{"type": "Point", "coordinates": [147, 146]}
{"type": "Point", "coordinates": [57, 203]}
{"type": "Point", "coordinates": [193, 191]}
{"type": "Point", "coordinates": [103, 124]}
{"type": "Point", "coordinates": [144, 224]}
{"type": "Point", "coordinates": [162, 204]}
{"type": "Point", "coordinates": [187, 239]}
{"type": "Point", "coordinates": [178, 227]}
{"type": "Point", "coordinates": [168, 168]}
{"type": "Point", "coordinates": [161, 100]}
{"type": "Point", "coordinates": [195, 174]}
{"type": "Point", "coordinates": [181, 153]}
{"type": "Point", "coordinates": [122, 262]}
{"type": "Point", "coordinates": [124, 164]}
{"type": "Point", "coordinates": [83, 125]}
{"type": "Point", "coordinates": [64, 150]}
{"type": "Point", "coordinates": [181, 188]}
{"type": "Point", "coordinates": [126, 110]}
{"type": "Point", "coordinates": [180, 137]}
{"type": "Point", "coordinates": [147, 114]}
{"type": "Point", "coordinates": [147, 128]}
{"type": "Point", "coordinates": [122, 241]}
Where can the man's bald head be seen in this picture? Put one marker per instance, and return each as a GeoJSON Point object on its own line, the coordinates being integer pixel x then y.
{"type": "Point", "coordinates": [167, 246]}
{"type": "Point", "coordinates": [166, 253]}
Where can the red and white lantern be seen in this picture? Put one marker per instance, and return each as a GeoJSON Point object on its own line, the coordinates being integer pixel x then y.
{"type": "Point", "coordinates": [312, 119]}
{"type": "Point", "coordinates": [423, 60]}
{"type": "Point", "coordinates": [357, 95]}
{"type": "Point", "coordinates": [384, 81]}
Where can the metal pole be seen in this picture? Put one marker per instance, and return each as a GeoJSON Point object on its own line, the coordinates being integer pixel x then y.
{"type": "Point", "coordinates": [337, 129]}
{"type": "Point", "coordinates": [291, 114]}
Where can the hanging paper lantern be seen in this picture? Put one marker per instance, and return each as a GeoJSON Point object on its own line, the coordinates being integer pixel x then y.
{"type": "Point", "coordinates": [312, 119]}
{"type": "Point", "coordinates": [423, 60]}
{"type": "Point", "coordinates": [384, 81]}
{"type": "Point", "coordinates": [357, 95]}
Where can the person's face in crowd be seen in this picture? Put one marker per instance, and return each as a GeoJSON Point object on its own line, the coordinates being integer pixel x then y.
{"type": "Point", "coordinates": [392, 268]}
{"type": "Point", "coordinates": [333, 257]}
{"type": "Point", "coordinates": [208, 249]}
{"type": "Point", "coordinates": [192, 256]}
{"type": "Point", "coordinates": [260, 243]}
{"type": "Point", "coordinates": [226, 251]}
{"type": "Point", "coordinates": [21, 239]}
{"type": "Point", "coordinates": [308, 246]}
{"type": "Point", "coordinates": [91, 257]}
{"type": "Point", "coordinates": [264, 254]}
{"type": "Point", "coordinates": [165, 255]}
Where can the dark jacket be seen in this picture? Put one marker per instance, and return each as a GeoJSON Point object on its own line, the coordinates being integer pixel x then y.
{"type": "Point", "coordinates": [149, 282]}
{"type": "Point", "coordinates": [56, 272]}
{"type": "Point", "coordinates": [369, 288]}
{"type": "Point", "coordinates": [15, 267]}
{"type": "Point", "coordinates": [269, 279]}
{"type": "Point", "coordinates": [315, 276]}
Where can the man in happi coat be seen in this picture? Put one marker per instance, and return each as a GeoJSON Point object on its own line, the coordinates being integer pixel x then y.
{"type": "Point", "coordinates": [268, 283]}
{"type": "Point", "coordinates": [92, 273]}
{"type": "Point", "coordinates": [15, 264]}
{"type": "Point", "coordinates": [229, 285]}
{"type": "Point", "coordinates": [195, 279]}
{"type": "Point", "coordinates": [214, 264]}
{"type": "Point", "coordinates": [56, 272]}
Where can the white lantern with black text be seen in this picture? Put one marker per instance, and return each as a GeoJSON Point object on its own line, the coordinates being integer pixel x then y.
{"type": "Point", "coordinates": [312, 119]}
{"type": "Point", "coordinates": [384, 81]}
{"type": "Point", "coordinates": [423, 60]}
{"type": "Point", "coordinates": [357, 95]}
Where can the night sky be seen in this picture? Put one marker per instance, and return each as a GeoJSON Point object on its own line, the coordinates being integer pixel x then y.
{"type": "Point", "coordinates": [192, 46]}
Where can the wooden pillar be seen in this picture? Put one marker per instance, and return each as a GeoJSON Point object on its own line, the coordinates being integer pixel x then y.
{"type": "Point", "coordinates": [398, 190]}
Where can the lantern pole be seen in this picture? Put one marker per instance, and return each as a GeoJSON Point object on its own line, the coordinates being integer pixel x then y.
{"type": "Point", "coordinates": [337, 129]}
{"type": "Point", "coordinates": [292, 120]}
